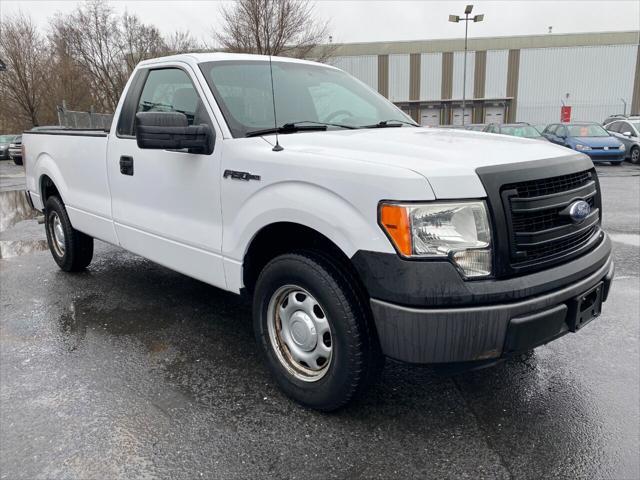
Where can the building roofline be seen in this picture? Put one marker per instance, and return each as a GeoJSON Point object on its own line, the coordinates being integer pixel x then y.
{"type": "Point", "coordinates": [488, 43]}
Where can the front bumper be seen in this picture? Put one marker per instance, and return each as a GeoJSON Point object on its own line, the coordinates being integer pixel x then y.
{"type": "Point", "coordinates": [493, 324]}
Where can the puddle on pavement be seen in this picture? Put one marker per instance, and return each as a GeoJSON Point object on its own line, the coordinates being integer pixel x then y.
{"type": "Point", "coordinates": [19, 232]}
{"type": "Point", "coordinates": [90, 314]}
{"type": "Point", "coordinates": [15, 248]}
{"type": "Point", "coordinates": [14, 208]}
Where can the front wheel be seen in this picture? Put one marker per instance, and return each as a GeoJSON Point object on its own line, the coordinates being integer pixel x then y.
{"type": "Point", "coordinates": [72, 250]}
{"type": "Point", "coordinates": [315, 330]}
{"type": "Point", "coordinates": [635, 155]}
{"type": "Point", "coordinates": [17, 161]}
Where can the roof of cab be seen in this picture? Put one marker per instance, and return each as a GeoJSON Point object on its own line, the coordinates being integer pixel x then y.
{"type": "Point", "coordinates": [222, 56]}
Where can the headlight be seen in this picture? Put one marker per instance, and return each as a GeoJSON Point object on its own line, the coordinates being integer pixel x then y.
{"type": "Point", "coordinates": [622, 147]}
{"type": "Point", "coordinates": [458, 231]}
{"type": "Point", "coordinates": [582, 148]}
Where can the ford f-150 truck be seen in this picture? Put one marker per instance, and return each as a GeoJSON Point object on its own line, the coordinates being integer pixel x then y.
{"type": "Point", "coordinates": [359, 234]}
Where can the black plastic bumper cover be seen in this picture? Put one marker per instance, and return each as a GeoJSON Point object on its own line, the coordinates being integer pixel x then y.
{"type": "Point", "coordinates": [496, 325]}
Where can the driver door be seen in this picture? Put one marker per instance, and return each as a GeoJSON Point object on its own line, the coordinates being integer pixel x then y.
{"type": "Point", "coordinates": [166, 203]}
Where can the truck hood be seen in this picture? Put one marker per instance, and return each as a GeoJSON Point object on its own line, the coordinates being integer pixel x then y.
{"type": "Point", "coordinates": [448, 159]}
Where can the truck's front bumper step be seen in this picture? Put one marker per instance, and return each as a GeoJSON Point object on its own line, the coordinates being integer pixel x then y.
{"type": "Point", "coordinates": [441, 335]}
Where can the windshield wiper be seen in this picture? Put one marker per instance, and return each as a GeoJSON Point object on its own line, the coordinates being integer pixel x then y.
{"type": "Point", "coordinates": [293, 127]}
{"type": "Point", "coordinates": [388, 124]}
{"type": "Point", "coordinates": [328, 124]}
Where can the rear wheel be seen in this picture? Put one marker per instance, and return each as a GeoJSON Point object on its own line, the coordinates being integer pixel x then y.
{"type": "Point", "coordinates": [314, 329]}
{"type": "Point", "coordinates": [17, 161]}
{"type": "Point", "coordinates": [635, 155]}
{"type": "Point", "coordinates": [72, 250]}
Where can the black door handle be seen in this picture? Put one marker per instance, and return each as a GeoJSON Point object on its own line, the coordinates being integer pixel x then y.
{"type": "Point", "coordinates": [126, 165]}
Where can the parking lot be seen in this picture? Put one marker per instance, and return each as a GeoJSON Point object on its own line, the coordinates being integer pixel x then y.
{"type": "Point", "coordinates": [130, 370]}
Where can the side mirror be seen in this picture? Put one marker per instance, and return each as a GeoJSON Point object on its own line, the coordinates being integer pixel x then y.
{"type": "Point", "coordinates": [171, 131]}
{"type": "Point", "coordinates": [627, 134]}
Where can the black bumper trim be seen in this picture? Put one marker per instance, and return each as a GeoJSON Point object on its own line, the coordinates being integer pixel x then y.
{"type": "Point", "coordinates": [415, 283]}
{"type": "Point", "coordinates": [441, 335]}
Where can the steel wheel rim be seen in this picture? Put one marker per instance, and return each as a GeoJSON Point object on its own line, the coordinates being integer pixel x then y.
{"type": "Point", "coordinates": [57, 234]}
{"type": "Point", "coordinates": [300, 333]}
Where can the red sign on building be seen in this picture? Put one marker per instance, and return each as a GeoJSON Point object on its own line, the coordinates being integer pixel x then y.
{"type": "Point", "coordinates": [565, 114]}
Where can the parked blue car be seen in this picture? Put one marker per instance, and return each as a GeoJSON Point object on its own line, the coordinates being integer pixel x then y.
{"type": "Point", "coordinates": [589, 138]}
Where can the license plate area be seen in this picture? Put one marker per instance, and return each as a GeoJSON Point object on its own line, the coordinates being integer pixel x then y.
{"type": "Point", "coordinates": [586, 307]}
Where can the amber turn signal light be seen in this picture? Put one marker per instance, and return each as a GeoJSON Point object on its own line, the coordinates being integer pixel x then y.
{"type": "Point", "coordinates": [395, 222]}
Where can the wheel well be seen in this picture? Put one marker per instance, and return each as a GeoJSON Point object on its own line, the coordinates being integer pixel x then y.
{"type": "Point", "coordinates": [48, 189]}
{"type": "Point", "coordinates": [279, 238]}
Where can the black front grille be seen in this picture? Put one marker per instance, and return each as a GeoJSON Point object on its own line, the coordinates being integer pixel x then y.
{"type": "Point", "coordinates": [539, 226]}
{"type": "Point", "coordinates": [547, 186]}
{"type": "Point", "coordinates": [542, 220]}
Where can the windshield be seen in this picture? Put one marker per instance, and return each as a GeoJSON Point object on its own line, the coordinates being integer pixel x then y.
{"type": "Point", "coordinates": [303, 93]}
{"type": "Point", "coordinates": [524, 131]}
{"type": "Point", "coordinates": [6, 138]}
{"type": "Point", "coordinates": [587, 131]}
{"type": "Point", "coordinates": [636, 125]}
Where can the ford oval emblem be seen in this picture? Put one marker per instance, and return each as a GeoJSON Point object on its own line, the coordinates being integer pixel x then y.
{"type": "Point", "coordinates": [579, 210]}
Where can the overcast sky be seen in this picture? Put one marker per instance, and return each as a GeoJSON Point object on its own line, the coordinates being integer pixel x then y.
{"type": "Point", "coordinates": [367, 21]}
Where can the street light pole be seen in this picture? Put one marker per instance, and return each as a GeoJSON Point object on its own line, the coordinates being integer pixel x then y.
{"type": "Point", "coordinates": [456, 19]}
{"type": "Point", "coordinates": [464, 73]}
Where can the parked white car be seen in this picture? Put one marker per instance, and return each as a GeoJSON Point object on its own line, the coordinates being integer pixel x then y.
{"type": "Point", "coordinates": [359, 234]}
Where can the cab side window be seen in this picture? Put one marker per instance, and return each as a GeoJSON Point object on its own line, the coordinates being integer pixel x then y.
{"type": "Point", "coordinates": [171, 90]}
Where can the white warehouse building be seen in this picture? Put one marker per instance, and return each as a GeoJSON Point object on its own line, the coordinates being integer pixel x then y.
{"type": "Point", "coordinates": [521, 78]}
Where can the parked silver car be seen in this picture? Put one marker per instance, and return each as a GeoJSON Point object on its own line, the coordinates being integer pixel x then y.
{"type": "Point", "coordinates": [5, 140]}
{"type": "Point", "coordinates": [627, 130]}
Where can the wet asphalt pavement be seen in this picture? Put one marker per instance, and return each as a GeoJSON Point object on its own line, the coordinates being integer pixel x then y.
{"type": "Point", "coordinates": [130, 370]}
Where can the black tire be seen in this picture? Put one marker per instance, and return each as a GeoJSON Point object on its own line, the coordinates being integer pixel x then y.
{"type": "Point", "coordinates": [17, 161]}
{"type": "Point", "coordinates": [77, 250]}
{"type": "Point", "coordinates": [634, 156]}
{"type": "Point", "coordinates": [355, 360]}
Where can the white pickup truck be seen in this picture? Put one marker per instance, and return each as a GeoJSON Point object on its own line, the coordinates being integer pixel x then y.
{"type": "Point", "coordinates": [358, 233]}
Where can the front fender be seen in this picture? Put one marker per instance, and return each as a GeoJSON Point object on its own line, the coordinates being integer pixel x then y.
{"type": "Point", "coordinates": [312, 206]}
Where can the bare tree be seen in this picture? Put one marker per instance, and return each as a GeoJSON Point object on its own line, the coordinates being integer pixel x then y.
{"type": "Point", "coordinates": [181, 42]}
{"type": "Point", "coordinates": [93, 35]}
{"type": "Point", "coordinates": [271, 27]}
{"type": "Point", "coordinates": [24, 82]}
{"type": "Point", "coordinates": [69, 82]}
{"type": "Point", "coordinates": [109, 46]}
{"type": "Point", "coordinates": [139, 41]}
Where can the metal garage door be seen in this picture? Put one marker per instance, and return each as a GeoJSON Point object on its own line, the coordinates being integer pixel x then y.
{"type": "Point", "coordinates": [430, 117]}
{"type": "Point", "coordinates": [457, 116]}
{"type": "Point", "coordinates": [493, 114]}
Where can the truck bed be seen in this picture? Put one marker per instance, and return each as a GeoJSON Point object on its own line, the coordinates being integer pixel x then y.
{"type": "Point", "coordinates": [78, 168]}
